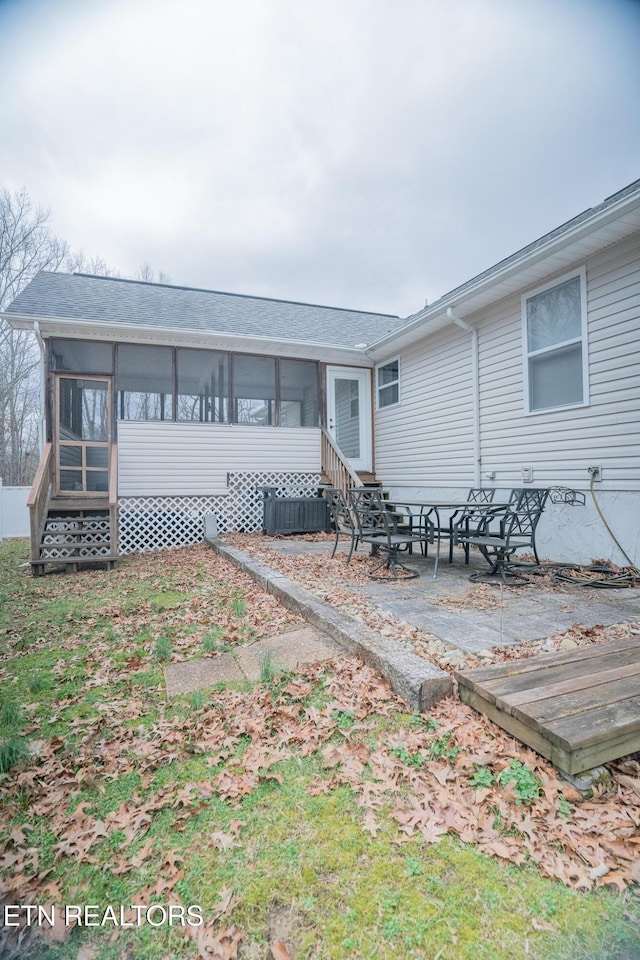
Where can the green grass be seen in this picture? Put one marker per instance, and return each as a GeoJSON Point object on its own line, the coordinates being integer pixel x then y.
{"type": "Point", "coordinates": [90, 744]}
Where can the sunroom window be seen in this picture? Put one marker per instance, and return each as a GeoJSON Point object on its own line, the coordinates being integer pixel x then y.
{"type": "Point", "coordinates": [556, 344]}
{"type": "Point", "coordinates": [254, 389]}
{"type": "Point", "coordinates": [81, 356]}
{"type": "Point", "coordinates": [298, 393]}
{"type": "Point", "coordinates": [145, 382]}
{"type": "Point", "coordinates": [388, 383]}
{"type": "Point", "coordinates": [203, 385]}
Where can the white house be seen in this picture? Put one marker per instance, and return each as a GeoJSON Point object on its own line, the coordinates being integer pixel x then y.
{"type": "Point", "coordinates": [162, 404]}
{"type": "Point", "coordinates": [529, 373]}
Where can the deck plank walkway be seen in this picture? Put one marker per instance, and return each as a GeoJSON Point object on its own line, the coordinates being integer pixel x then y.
{"type": "Point", "coordinates": [578, 709]}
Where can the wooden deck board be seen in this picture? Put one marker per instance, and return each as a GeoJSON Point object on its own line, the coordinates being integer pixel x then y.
{"type": "Point", "coordinates": [578, 708]}
{"type": "Point", "coordinates": [538, 679]}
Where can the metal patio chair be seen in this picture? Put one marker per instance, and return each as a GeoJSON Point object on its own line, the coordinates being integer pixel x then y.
{"type": "Point", "coordinates": [491, 523]}
{"type": "Point", "coordinates": [467, 520]}
{"type": "Point", "coordinates": [532, 499]}
{"type": "Point", "coordinates": [343, 520]}
{"type": "Point", "coordinates": [516, 532]}
{"type": "Point", "coordinates": [379, 527]}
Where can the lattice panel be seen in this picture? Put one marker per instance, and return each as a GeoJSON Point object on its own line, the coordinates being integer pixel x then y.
{"type": "Point", "coordinates": [155, 523]}
{"type": "Point", "coordinates": [245, 506]}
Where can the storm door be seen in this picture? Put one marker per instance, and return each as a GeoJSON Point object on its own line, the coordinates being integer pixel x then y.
{"type": "Point", "coordinates": [349, 414]}
{"type": "Point", "coordinates": [83, 435]}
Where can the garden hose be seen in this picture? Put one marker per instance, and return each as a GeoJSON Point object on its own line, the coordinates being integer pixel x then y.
{"type": "Point", "coordinates": [597, 576]}
{"type": "Point", "coordinates": [630, 575]}
{"type": "Point", "coordinates": [633, 568]}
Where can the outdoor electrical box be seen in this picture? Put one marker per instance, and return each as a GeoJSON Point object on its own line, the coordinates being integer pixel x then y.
{"type": "Point", "coordinates": [527, 474]}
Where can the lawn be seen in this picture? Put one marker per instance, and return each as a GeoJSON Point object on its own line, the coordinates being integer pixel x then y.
{"type": "Point", "coordinates": [303, 816]}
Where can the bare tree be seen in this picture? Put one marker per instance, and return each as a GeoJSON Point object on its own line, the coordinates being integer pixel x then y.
{"type": "Point", "coordinates": [79, 263]}
{"type": "Point", "coordinates": [147, 274]}
{"type": "Point", "coordinates": [26, 246]}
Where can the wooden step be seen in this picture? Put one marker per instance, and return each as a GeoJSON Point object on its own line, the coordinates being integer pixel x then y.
{"type": "Point", "coordinates": [367, 479]}
{"type": "Point", "coordinates": [77, 530]}
{"type": "Point", "coordinates": [77, 504]}
{"type": "Point", "coordinates": [72, 563]}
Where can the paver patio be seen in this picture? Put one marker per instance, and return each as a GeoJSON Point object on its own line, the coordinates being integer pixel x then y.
{"type": "Point", "coordinates": [473, 617]}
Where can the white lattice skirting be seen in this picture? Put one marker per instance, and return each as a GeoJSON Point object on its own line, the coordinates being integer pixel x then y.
{"type": "Point", "coordinates": [155, 523]}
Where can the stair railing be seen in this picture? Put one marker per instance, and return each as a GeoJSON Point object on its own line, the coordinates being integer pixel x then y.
{"type": "Point", "coordinates": [39, 499]}
{"type": "Point", "coordinates": [113, 498]}
{"type": "Point", "coordinates": [334, 466]}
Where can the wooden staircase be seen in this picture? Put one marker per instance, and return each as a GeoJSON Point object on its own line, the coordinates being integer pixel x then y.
{"type": "Point", "coordinates": [367, 479]}
{"type": "Point", "coordinates": [336, 471]}
{"type": "Point", "coordinates": [73, 535]}
{"type": "Point", "coordinates": [70, 531]}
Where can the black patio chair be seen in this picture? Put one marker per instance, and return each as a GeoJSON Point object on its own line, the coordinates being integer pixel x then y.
{"type": "Point", "coordinates": [532, 499]}
{"type": "Point", "coordinates": [516, 532]}
{"type": "Point", "coordinates": [343, 520]}
{"type": "Point", "coordinates": [467, 520]}
{"type": "Point", "coordinates": [490, 523]}
{"type": "Point", "coordinates": [378, 527]}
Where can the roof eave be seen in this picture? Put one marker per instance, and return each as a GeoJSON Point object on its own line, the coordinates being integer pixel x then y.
{"type": "Point", "coordinates": [74, 328]}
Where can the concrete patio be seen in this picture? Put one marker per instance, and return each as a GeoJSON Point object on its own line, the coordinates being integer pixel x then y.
{"type": "Point", "coordinates": [476, 617]}
{"type": "Point", "coordinates": [417, 631]}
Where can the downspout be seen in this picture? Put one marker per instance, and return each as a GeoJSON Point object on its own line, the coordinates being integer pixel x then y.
{"type": "Point", "coordinates": [43, 382]}
{"type": "Point", "coordinates": [475, 387]}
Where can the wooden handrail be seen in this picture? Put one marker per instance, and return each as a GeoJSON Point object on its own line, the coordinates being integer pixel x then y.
{"type": "Point", "coordinates": [334, 466]}
{"type": "Point", "coordinates": [42, 473]}
{"type": "Point", "coordinates": [39, 497]}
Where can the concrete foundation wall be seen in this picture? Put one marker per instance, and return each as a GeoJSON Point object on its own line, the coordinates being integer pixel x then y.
{"type": "Point", "coordinates": [568, 533]}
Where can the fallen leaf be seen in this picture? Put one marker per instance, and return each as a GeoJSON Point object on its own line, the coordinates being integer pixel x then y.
{"type": "Point", "coordinates": [279, 951]}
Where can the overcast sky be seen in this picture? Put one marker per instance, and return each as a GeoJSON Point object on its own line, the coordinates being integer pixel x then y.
{"type": "Point", "coordinates": [359, 153]}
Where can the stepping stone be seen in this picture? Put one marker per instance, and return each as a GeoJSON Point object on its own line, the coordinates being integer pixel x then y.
{"type": "Point", "coordinates": [181, 678]}
{"type": "Point", "coordinates": [287, 651]}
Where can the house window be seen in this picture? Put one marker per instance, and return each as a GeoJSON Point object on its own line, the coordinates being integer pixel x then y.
{"type": "Point", "coordinates": [388, 383]}
{"type": "Point", "coordinates": [298, 393]}
{"type": "Point", "coordinates": [254, 389]}
{"type": "Point", "coordinates": [203, 385]}
{"type": "Point", "coordinates": [145, 382]}
{"type": "Point", "coordinates": [555, 337]}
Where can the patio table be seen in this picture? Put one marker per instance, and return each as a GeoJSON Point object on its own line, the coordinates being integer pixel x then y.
{"type": "Point", "coordinates": [428, 508]}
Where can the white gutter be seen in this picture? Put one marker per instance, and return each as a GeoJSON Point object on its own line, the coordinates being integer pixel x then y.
{"type": "Point", "coordinates": [475, 393]}
{"type": "Point", "coordinates": [222, 340]}
{"type": "Point", "coordinates": [42, 432]}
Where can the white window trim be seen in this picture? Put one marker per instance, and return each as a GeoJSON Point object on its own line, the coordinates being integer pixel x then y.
{"type": "Point", "coordinates": [581, 272]}
{"type": "Point", "coordinates": [386, 385]}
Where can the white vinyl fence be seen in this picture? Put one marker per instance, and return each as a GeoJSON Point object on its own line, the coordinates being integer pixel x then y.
{"type": "Point", "coordinates": [14, 515]}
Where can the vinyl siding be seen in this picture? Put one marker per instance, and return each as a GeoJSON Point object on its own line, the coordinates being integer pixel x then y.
{"type": "Point", "coordinates": [165, 459]}
{"type": "Point", "coordinates": [428, 437]}
{"type": "Point", "coordinates": [426, 440]}
{"type": "Point", "coordinates": [560, 444]}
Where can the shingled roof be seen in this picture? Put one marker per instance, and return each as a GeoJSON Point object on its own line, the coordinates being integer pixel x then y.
{"type": "Point", "coordinates": [107, 300]}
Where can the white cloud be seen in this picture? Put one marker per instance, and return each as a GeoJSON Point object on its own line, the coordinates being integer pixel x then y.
{"type": "Point", "coordinates": [367, 153]}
